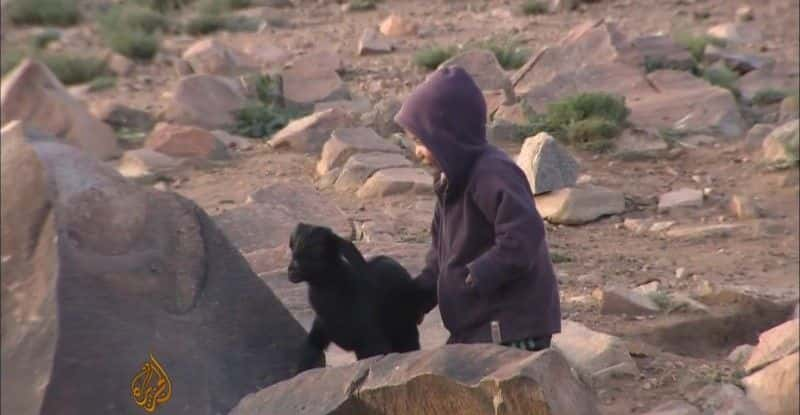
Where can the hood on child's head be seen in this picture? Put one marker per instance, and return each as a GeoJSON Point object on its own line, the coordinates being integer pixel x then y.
{"type": "Point", "coordinates": [447, 113]}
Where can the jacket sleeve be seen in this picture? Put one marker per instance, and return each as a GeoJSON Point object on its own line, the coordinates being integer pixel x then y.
{"type": "Point", "coordinates": [504, 198]}
{"type": "Point", "coordinates": [428, 278]}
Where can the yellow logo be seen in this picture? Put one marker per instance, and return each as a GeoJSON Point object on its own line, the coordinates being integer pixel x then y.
{"type": "Point", "coordinates": [151, 385]}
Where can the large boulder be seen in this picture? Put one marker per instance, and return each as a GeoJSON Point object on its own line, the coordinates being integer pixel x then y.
{"type": "Point", "coordinates": [361, 166]}
{"type": "Point", "coordinates": [782, 145]}
{"type": "Point", "coordinates": [774, 344]}
{"type": "Point", "coordinates": [313, 78]}
{"type": "Point", "coordinates": [210, 56]}
{"type": "Point", "coordinates": [774, 388]}
{"type": "Point", "coordinates": [309, 134]}
{"type": "Point", "coordinates": [345, 142]}
{"type": "Point", "coordinates": [33, 95]}
{"type": "Point", "coordinates": [547, 164]}
{"type": "Point", "coordinates": [595, 356]}
{"type": "Point", "coordinates": [206, 101]}
{"type": "Point", "coordinates": [484, 68]}
{"type": "Point", "coordinates": [778, 76]}
{"type": "Point", "coordinates": [456, 379]}
{"type": "Point", "coordinates": [681, 101]}
{"type": "Point", "coordinates": [111, 291]}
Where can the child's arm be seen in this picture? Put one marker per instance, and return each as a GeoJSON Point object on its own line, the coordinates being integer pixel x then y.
{"type": "Point", "coordinates": [503, 195]}
{"type": "Point", "coordinates": [427, 279]}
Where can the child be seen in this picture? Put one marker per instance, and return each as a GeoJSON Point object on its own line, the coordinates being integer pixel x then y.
{"type": "Point", "coordinates": [489, 263]}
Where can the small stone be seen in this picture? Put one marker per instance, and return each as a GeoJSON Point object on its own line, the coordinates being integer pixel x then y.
{"type": "Point", "coordinates": [547, 164]}
{"type": "Point", "coordinates": [744, 207]}
{"type": "Point", "coordinates": [233, 142]}
{"type": "Point", "coordinates": [356, 106]}
{"type": "Point", "coordinates": [621, 301]}
{"type": "Point", "coordinates": [680, 273]}
{"type": "Point", "coordinates": [680, 198]}
{"type": "Point", "coordinates": [186, 141]}
{"type": "Point", "coordinates": [732, 33]}
{"type": "Point", "coordinates": [145, 163]}
{"type": "Point", "coordinates": [789, 109]}
{"type": "Point", "coordinates": [707, 191]}
{"type": "Point", "coordinates": [637, 226]}
{"type": "Point", "coordinates": [703, 231]}
{"type": "Point", "coordinates": [674, 407]}
{"type": "Point", "coordinates": [678, 301]}
{"type": "Point", "coordinates": [757, 134]}
{"type": "Point", "coordinates": [118, 116]}
{"type": "Point", "coordinates": [120, 65]}
{"type": "Point", "coordinates": [373, 42]}
{"type": "Point", "coordinates": [781, 145]}
{"type": "Point", "coordinates": [699, 140]}
{"type": "Point", "coordinates": [744, 14]}
{"type": "Point", "coordinates": [647, 289]}
{"type": "Point", "coordinates": [662, 226]}
{"type": "Point", "coordinates": [210, 56]}
{"type": "Point", "coordinates": [397, 26]}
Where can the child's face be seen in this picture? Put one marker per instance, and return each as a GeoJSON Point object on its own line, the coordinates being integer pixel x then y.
{"type": "Point", "coordinates": [422, 152]}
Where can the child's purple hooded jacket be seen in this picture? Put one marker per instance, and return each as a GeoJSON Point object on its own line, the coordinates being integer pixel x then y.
{"type": "Point", "coordinates": [485, 222]}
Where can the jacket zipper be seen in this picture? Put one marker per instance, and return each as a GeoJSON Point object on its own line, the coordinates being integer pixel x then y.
{"type": "Point", "coordinates": [442, 234]}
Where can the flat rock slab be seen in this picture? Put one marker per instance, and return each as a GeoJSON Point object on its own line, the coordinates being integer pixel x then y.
{"type": "Point", "coordinates": [206, 101]}
{"type": "Point", "coordinates": [455, 379]}
{"type": "Point", "coordinates": [313, 78]}
{"type": "Point", "coordinates": [594, 355]}
{"type": "Point", "coordinates": [703, 231]}
{"type": "Point", "coordinates": [373, 42]}
{"type": "Point", "coordinates": [212, 57]}
{"type": "Point", "coordinates": [361, 166]}
{"type": "Point", "coordinates": [345, 142]}
{"type": "Point", "coordinates": [622, 301]}
{"type": "Point", "coordinates": [271, 214]}
{"type": "Point", "coordinates": [404, 180]}
{"type": "Point", "coordinates": [680, 198]}
{"type": "Point", "coordinates": [32, 94]}
{"type": "Point", "coordinates": [186, 141]}
{"type": "Point", "coordinates": [309, 134]}
{"type": "Point", "coordinates": [580, 205]}
{"type": "Point", "coordinates": [547, 164]}
{"type": "Point", "coordinates": [774, 388]}
{"type": "Point", "coordinates": [674, 407]}
{"type": "Point", "coordinates": [145, 162]}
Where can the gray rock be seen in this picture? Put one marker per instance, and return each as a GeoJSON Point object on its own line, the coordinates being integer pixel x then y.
{"type": "Point", "coordinates": [101, 276]}
{"type": "Point", "coordinates": [623, 301]}
{"type": "Point", "coordinates": [595, 356]}
{"type": "Point", "coordinates": [744, 207]}
{"type": "Point", "coordinates": [120, 116]}
{"type": "Point", "coordinates": [356, 106]}
{"type": "Point", "coordinates": [394, 181]}
{"type": "Point", "coordinates": [739, 62]}
{"type": "Point", "coordinates": [309, 134]}
{"type": "Point", "coordinates": [790, 109]}
{"type": "Point", "coordinates": [703, 231]}
{"type": "Point", "coordinates": [313, 78]}
{"type": "Point", "coordinates": [345, 142]}
{"type": "Point", "coordinates": [373, 42]}
{"type": "Point", "coordinates": [580, 205]}
{"type": "Point", "coordinates": [146, 163]}
{"type": "Point", "coordinates": [232, 141]}
{"type": "Point", "coordinates": [483, 66]}
{"type": "Point", "coordinates": [680, 198]}
{"type": "Point", "coordinates": [726, 399]}
{"type": "Point", "coordinates": [360, 167]}
{"type": "Point", "coordinates": [381, 118]}
{"type": "Point", "coordinates": [741, 354]}
{"type": "Point", "coordinates": [780, 76]}
{"type": "Point", "coordinates": [206, 101]}
{"type": "Point", "coordinates": [731, 33]}
{"type": "Point", "coordinates": [757, 134]}
{"type": "Point", "coordinates": [547, 164]}
{"type": "Point", "coordinates": [781, 145]}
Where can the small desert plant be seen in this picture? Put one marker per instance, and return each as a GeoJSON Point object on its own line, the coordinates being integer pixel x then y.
{"type": "Point", "coordinates": [203, 24]}
{"type": "Point", "coordinates": [695, 44]}
{"type": "Point", "coordinates": [73, 69]}
{"type": "Point", "coordinates": [430, 58]}
{"type": "Point", "coordinates": [533, 7]}
{"type": "Point", "coordinates": [132, 30]}
{"type": "Point", "coordinates": [42, 39]}
{"type": "Point", "coordinates": [722, 77]}
{"type": "Point", "coordinates": [769, 96]}
{"type": "Point", "coordinates": [133, 44]}
{"type": "Point", "coordinates": [218, 7]}
{"type": "Point", "coordinates": [44, 12]}
{"type": "Point", "coordinates": [509, 53]}
{"type": "Point", "coordinates": [9, 59]}
{"type": "Point", "coordinates": [102, 83]}
{"type": "Point", "coordinates": [559, 258]}
{"type": "Point", "coordinates": [267, 114]}
{"type": "Point", "coordinates": [589, 121]}
{"type": "Point", "coordinates": [164, 6]}
{"type": "Point", "coordinates": [361, 5]}
{"type": "Point", "coordinates": [652, 64]}
{"type": "Point", "coordinates": [661, 299]}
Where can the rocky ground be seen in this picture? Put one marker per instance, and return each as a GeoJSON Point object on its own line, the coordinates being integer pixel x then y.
{"type": "Point", "coordinates": [681, 243]}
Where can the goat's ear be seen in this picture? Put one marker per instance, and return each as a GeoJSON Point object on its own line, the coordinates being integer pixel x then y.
{"type": "Point", "coordinates": [350, 253]}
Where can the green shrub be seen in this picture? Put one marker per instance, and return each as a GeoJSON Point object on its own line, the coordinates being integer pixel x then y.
{"type": "Point", "coordinates": [204, 24]}
{"type": "Point", "coordinates": [102, 83]}
{"type": "Point", "coordinates": [259, 120]}
{"type": "Point", "coordinates": [722, 77]}
{"type": "Point", "coordinates": [588, 121]}
{"type": "Point", "coordinates": [652, 64]}
{"type": "Point", "coordinates": [430, 58]}
{"type": "Point", "coordinates": [42, 39]}
{"type": "Point", "coordinates": [696, 44]}
{"type": "Point", "coordinates": [217, 7]}
{"type": "Point", "coordinates": [769, 96]}
{"type": "Point", "coordinates": [361, 5]}
{"type": "Point", "coordinates": [9, 59]}
{"type": "Point", "coordinates": [164, 5]}
{"type": "Point", "coordinates": [509, 53]}
{"type": "Point", "coordinates": [134, 44]}
{"type": "Point", "coordinates": [44, 12]}
{"type": "Point", "coordinates": [71, 69]}
{"type": "Point", "coordinates": [133, 17]}
{"type": "Point", "coordinates": [533, 7]}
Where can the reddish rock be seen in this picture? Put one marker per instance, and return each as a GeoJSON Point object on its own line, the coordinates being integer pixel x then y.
{"type": "Point", "coordinates": [185, 141]}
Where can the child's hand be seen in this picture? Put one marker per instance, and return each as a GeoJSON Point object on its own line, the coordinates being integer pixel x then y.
{"type": "Point", "coordinates": [470, 281]}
